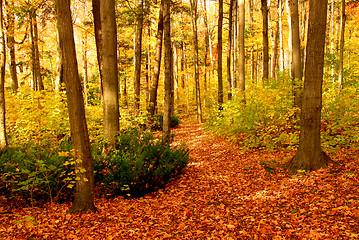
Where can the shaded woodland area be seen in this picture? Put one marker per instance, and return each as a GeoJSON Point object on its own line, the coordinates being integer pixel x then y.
{"type": "Point", "coordinates": [214, 119]}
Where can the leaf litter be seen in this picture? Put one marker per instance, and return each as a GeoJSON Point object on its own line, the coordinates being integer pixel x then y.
{"type": "Point", "coordinates": [224, 193]}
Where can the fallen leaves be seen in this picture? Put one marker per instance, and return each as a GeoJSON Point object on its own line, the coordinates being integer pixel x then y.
{"type": "Point", "coordinates": [223, 194]}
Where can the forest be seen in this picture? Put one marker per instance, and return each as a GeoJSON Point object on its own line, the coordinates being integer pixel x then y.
{"type": "Point", "coordinates": [198, 119]}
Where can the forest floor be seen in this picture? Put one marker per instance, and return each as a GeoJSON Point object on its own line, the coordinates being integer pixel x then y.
{"type": "Point", "coordinates": [224, 193]}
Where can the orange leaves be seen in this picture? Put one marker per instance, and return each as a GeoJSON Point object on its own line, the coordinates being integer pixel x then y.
{"type": "Point", "coordinates": [223, 194]}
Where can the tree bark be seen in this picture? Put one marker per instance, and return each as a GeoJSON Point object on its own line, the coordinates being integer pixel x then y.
{"type": "Point", "coordinates": [138, 50]}
{"type": "Point", "coordinates": [98, 37]}
{"type": "Point", "coordinates": [264, 9]}
{"type": "Point", "coordinates": [296, 71]}
{"type": "Point", "coordinates": [3, 137]}
{"type": "Point", "coordinates": [111, 113]}
{"type": "Point", "coordinates": [196, 65]}
{"type": "Point", "coordinates": [167, 70]}
{"type": "Point", "coordinates": [229, 50]}
{"type": "Point", "coordinates": [219, 49]}
{"type": "Point", "coordinates": [157, 68]}
{"type": "Point", "coordinates": [341, 47]}
{"type": "Point", "coordinates": [241, 48]}
{"type": "Point", "coordinates": [310, 155]}
{"type": "Point", "coordinates": [84, 196]}
{"type": "Point", "coordinates": [11, 45]}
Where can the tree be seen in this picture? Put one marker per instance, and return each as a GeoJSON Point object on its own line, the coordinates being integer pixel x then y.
{"type": "Point", "coordinates": [196, 65]}
{"type": "Point", "coordinates": [229, 50]}
{"type": "Point", "coordinates": [3, 138]}
{"type": "Point", "coordinates": [168, 69]}
{"type": "Point", "coordinates": [98, 36]}
{"type": "Point", "coordinates": [241, 49]}
{"type": "Point", "coordinates": [310, 155]}
{"type": "Point", "coordinates": [264, 9]}
{"type": "Point", "coordinates": [341, 47]}
{"type": "Point", "coordinates": [156, 72]}
{"type": "Point", "coordinates": [297, 72]}
{"type": "Point", "coordinates": [138, 56]}
{"type": "Point", "coordinates": [11, 44]}
{"type": "Point", "coordinates": [109, 67]}
{"type": "Point", "coordinates": [37, 83]}
{"type": "Point", "coordinates": [219, 49]}
{"type": "Point", "coordinates": [84, 196]}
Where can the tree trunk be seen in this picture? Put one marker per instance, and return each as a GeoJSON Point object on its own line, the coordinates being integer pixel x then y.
{"type": "Point", "coordinates": [98, 38]}
{"type": "Point", "coordinates": [84, 196]}
{"type": "Point", "coordinates": [111, 113]}
{"type": "Point", "coordinates": [3, 137]}
{"type": "Point", "coordinates": [264, 9]}
{"type": "Point", "coordinates": [11, 45]}
{"type": "Point", "coordinates": [241, 48]}
{"type": "Point", "coordinates": [196, 65]}
{"type": "Point", "coordinates": [37, 78]}
{"type": "Point", "coordinates": [168, 69]}
{"type": "Point", "coordinates": [296, 71]}
{"type": "Point", "coordinates": [157, 68]}
{"type": "Point", "coordinates": [310, 155]}
{"type": "Point", "coordinates": [341, 48]}
{"type": "Point", "coordinates": [219, 49]}
{"type": "Point", "coordinates": [206, 52]}
{"type": "Point", "coordinates": [138, 50]}
{"type": "Point", "coordinates": [229, 50]}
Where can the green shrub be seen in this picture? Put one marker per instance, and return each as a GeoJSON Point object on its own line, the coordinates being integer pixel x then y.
{"type": "Point", "coordinates": [158, 122]}
{"type": "Point", "coordinates": [140, 164]}
{"type": "Point", "coordinates": [34, 175]}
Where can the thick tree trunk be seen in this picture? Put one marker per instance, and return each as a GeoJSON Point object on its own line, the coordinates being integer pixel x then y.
{"type": "Point", "coordinates": [310, 155]}
{"type": "Point", "coordinates": [168, 69]}
{"type": "Point", "coordinates": [111, 113]}
{"type": "Point", "coordinates": [264, 9]}
{"type": "Point", "coordinates": [3, 137]}
{"type": "Point", "coordinates": [219, 49]}
{"type": "Point", "coordinates": [157, 68]}
{"type": "Point", "coordinates": [84, 196]}
{"type": "Point", "coordinates": [138, 50]}
{"type": "Point", "coordinates": [296, 71]}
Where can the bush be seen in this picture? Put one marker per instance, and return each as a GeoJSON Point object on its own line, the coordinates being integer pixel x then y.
{"type": "Point", "coordinates": [140, 164]}
{"type": "Point", "coordinates": [158, 122]}
{"type": "Point", "coordinates": [34, 175]}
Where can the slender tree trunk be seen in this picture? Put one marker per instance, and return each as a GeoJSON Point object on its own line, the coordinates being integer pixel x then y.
{"type": "Point", "coordinates": [11, 45]}
{"type": "Point", "coordinates": [229, 51]}
{"type": "Point", "coordinates": [341, 48]}
{"type": "Point", "coordinates": [206, 53]}
{"type": "Point", "coordinates": [196, 65]}
{"type": "Point", "coordinates": [297, 72]}
{"type": "Point", "coordinates": [138, 50]}
{"type": "Point", "coordinates": [157, 67]}
{"type": "Point", "coordinates": [111, 113]}
{"type": "Point", "coordinates": [84, 196]}
{"type": "Point", "coordinates": [167, 68]}
{"type": "Point", "coordinates": [310, 155]}
{"type": "Point", "coordinates": [59, 78]}
{"type": "Point", "coordinates": [241, 48]}
{"type": "Point", "coordinates": [264, 9]}
{"type": "Point", "coordinates": [3, 137]}
{"type": "Point", "coordinates": [219, 49]}
{"type": "Point", "coordinates": [98, 38]}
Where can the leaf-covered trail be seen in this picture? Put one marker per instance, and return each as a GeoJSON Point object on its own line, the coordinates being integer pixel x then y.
{"type": "Point", "coordinates": [223, 194]}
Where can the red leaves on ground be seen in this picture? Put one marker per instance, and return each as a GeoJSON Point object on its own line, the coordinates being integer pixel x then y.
{"type": "Point", "coordinates": [223, 194]}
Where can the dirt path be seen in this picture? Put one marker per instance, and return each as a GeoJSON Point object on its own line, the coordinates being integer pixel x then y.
{"type": "Point", "coordinates": [222, 194]}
